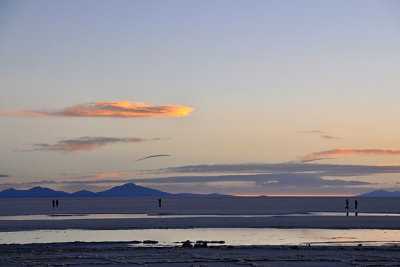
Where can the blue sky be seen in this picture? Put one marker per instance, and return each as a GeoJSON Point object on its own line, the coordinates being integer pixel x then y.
{"type": "Point", "coordinates": [268, 81]}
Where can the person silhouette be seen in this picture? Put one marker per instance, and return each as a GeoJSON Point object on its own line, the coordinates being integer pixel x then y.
{"type": "Point", "coordinates": [159, 202]}
{"type": "Point", "coordinates": [347, 204]}
{"type": "Point", "coordinates": [54, 203]}
{"type": "Point", "coordinates": [57, 203]}
{"type": "Point", "coordinates": [355, 204]}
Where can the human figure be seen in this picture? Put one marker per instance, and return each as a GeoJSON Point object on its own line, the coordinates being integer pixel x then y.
{"type": "Point", "coordinates": [347, 204]}
{"type": "Point", "coordinates": [159, 202]}
{"type": "Point", "coordinates": [355, 204]}
{"type": "Point", "coordinates": [54, 203]}
{"type": "Point", "coordinates": [57, 203]}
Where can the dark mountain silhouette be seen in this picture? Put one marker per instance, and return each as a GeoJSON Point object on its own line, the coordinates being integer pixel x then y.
{"type": "Point", "coordinates": [381, 193]}
{"type": "Point", "coordinates": [132, 190]}
{"type": "Point", "coordinates": [201, 195]}
{"type": "Point", "coordinates": [83, 193]}
{"type": "Point", "coordinates": [34, 192]}
{"type": "Point", "coordinates": [126, 190]}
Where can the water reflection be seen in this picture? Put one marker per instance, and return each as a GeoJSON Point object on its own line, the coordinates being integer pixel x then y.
{"type": "Point", "coordinates": [231, 236]}
{"type": "Point", "coordinates": [161, 215]}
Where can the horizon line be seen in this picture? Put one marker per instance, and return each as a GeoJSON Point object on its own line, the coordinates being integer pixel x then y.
{"type": "Point", "coordinates": [287, 195]}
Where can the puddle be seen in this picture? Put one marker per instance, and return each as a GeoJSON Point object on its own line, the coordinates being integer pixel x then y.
{"type": "Point", "coordinates": [161, 215]}
{"type": "Point", "coordinates": [231, 236]}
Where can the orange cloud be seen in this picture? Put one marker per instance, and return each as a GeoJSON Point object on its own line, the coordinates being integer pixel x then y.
{"type": "Point", "coordinates": [124, 109]}
{"type": "Point", "coordinates": [354, 152]}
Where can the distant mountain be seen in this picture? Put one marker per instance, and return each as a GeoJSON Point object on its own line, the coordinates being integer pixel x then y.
{"type": "Point", "coordinates": [34, 192]}
{"type": "Point", "coordinates": [126, 190]}
{"type": "Point", "coordinates": [201, 195]}
{"type": "Point", "coordinates": [132, 190]}
{"type": "Point", "coordinates": [381, 193]}
{"type": "Point", "coordinates": [83, 193]}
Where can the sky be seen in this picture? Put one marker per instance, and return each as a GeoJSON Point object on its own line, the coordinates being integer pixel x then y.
{"type": "Point", "coordinates": [237, 97]}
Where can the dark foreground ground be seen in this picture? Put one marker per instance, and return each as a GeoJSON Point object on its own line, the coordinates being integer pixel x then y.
{"type": "Point", "coordinates": [100, 254]}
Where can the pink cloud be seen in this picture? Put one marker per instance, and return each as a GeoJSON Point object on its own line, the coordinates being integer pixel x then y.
{"type": "Point", "coordinates": [122, 109]}
{"type": "Point", "coordinates": [87, 143]}
{"type": "Point", "coordinates": [339, 152]}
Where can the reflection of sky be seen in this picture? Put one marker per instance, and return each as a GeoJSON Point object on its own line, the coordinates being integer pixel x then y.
{"type": "Point", "coordinates": [231, 236]}
{"type": "Point", "coordinates": [256, 73]}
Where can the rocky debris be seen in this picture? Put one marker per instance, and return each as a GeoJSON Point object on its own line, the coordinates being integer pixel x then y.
{"type": "Point", "coordinates": [211, 242]}
{"type": "Point", "coordinates": [150, 242]}
{"type": "Point", "coordinates": [200, 244]}
{"type": "Point", "coordinates": [216, 242]}
{"type": "Point", "coordinates": [187, 244]}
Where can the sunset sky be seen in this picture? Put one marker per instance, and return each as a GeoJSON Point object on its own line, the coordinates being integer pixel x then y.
{"type": "Point", "coordinates": [236, 97]}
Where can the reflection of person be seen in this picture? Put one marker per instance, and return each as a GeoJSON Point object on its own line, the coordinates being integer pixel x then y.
{"type": "Point", "coordinates": [159, 202]}
{"type": "Point", "coordinates": [355, 204]}
{"type": "Point", "coordinates": [347, 204]}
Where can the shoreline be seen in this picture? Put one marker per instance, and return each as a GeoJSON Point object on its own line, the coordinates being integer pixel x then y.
{"type": "Point", "coordinates": [106, 253]}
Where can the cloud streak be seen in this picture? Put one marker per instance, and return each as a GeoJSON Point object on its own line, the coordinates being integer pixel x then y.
{"type": "Point", "coordinates": [86, 143]}
{"type": "Point", "coordinates": [278, 180]}
{"type": "Point", "coordinates": [260, 180]}
{"type": "Point", "coordinates": [4, 176]}
{"type": "Point", "coordinates": [320, 133]}
{"type": "Point", "coordinates": [340, 152]}
{"type": "Point", "coordinates": [329, 137]}
{"type": "Point", "coordinates": [153, 156]}
{"type": "Point", "coordinates": [311, 132]}
{"type": "Point", "coordinates": [119, 109]}
{"type": "Point", "coordinates": [101, 175]}
{"type": "Point", "coordinates": [289, 167]}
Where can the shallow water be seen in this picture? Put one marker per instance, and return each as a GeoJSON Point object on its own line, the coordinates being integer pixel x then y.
{"type": "Point", "coordinates": [231, 236]}
{"type": "Point", "coordinates": [160, 215]}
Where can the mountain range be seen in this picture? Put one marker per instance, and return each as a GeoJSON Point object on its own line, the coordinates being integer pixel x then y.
{"type": "Point", "coordinates": [381, 193]}
{"type": "Point", "coordinates": [126, 190]}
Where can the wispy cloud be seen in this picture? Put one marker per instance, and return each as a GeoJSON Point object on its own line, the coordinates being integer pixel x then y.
{"type": "Point", "coordinates": [321, 134]}
{"type": "Point", "coordinates": [311, 160]}
{"type": "Point", "coordinates": [283, 179]}
{"type": "Point", "coordinates": [311, 132]}
{"type": "Point", "coordinates": [86, 143]}
{"type": "Point", "coordinates": [289, 167]}
{"type": "Point", "coordinates": [109, 109]}
{"type": "Point", "coordinates": [329, 137]}
{"type": "Point", "coordinates": [101, 175]}
{"type": "Point", "coordinates": [154, 156]}
{"type": "Point", "coordinates": [4, 176]}
{"type": "Point", "coordinates": [339, 152]}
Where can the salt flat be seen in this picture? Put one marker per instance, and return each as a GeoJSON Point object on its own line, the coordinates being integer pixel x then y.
{"type": "Point", "coordinates": [196, 205]}
{"type": "Point", "coordinates": [202, 205]}
{"type": "Point", "coordinates": [107, 253]}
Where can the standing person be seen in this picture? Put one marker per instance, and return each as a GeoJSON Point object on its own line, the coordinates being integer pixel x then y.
{"type": "Point", "coordinates": [54, 203]}
{"type": "Point", "coordinates": [57, 203]}
{"type": "Point", "coordinates": [355, 204]}
{"type": "Point", "coordinates": [159, 202]}
{"type": "Point", "coordinates": [347, 204]}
